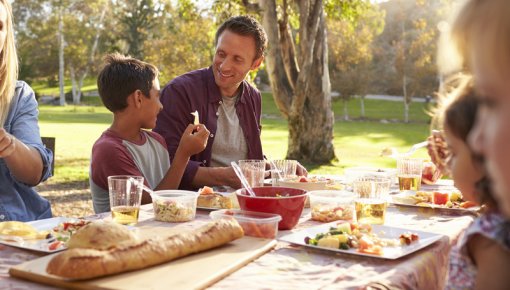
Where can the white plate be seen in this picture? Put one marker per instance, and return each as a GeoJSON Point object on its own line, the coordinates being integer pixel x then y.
{"type": "Point", "coordinates": [402, 199]}
{"type": "Point", "coordinates": [425, 239]}
{"type": "Point", "coordinates": [39, 245]}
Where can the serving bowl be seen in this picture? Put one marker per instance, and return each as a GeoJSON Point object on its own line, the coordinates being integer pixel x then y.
{"type": "Point", "coordinates": [284, 201]}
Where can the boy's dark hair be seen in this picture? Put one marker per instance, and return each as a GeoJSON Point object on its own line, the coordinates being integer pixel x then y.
{"type": "Point", "coordinates": [120, 77]}
{"type": "Point", "coordinates": [247, 26]}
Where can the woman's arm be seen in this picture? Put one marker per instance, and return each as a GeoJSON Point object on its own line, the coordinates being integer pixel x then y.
{"type": "Point", "coordinates": [24, 162]}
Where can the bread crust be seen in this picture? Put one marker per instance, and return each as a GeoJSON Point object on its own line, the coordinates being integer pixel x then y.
{"type": "Point", "coordinates": [82, 263]}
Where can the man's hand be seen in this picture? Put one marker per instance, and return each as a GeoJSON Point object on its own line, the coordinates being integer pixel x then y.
{"type": "Point", "coordinates": [301, 170]}
{"type": "Point", "coordinates": [194, 139]}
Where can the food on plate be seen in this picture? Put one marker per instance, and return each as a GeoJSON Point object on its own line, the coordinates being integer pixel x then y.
{"type": "Point", "coordinates": [172, 211]}
{"type": "Point", "coordinates": [434, 199]}
{"type": "Point", "coordinates": [440, 198]}
{"type": "Point", "coordinates": [349, 235]}
{"type": "Point", "coordinates": [408, 238]}
{"type": "Point", "coordinates": [313, 179]}
{"type": "Point", "coordinates": [82, 263]}
{"type": "Point", "coordinates": [65, 230]}
{"type": "Point", "coordinates": [101, 235]}
{"type": "Point", "coordinates": [210, 199]}
{"type": "Point", "coordinates": [21, 229]}
{"type": "Point", "coordinates": [196, 121]}
{"type": "Point", "coordinates": [329, 214]}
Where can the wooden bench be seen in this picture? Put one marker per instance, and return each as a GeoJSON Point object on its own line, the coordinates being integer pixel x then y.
{"type": "Point", "coordinates": [49, 142]}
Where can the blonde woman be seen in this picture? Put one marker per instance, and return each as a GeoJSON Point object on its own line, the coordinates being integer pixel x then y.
{"type": "Point", "coordinates": [24, 161]}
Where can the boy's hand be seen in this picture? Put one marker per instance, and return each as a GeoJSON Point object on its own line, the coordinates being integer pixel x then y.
{"type": "Point", "coordinates": [194, 139]}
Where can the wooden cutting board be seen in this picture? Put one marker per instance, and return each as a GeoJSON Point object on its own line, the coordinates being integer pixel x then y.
{"type": "Point", "coordinates": [192, 272]}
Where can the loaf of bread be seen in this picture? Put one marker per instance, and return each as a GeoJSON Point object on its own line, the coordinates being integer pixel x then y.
{"type": "Point", "coordinates": [101, 235]}
{"type": "Point", "coordinates": [82, 263]}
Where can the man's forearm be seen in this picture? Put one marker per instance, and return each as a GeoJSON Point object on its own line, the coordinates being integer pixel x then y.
{"type": "Point", "coordinates": [215, 176]}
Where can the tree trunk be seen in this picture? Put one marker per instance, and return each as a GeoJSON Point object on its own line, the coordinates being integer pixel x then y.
{"type": "Point", "coordinates": [76, 89]}
{"type": "Point", "coordinates": [406, 99]}
{"type": "Point", "coordinates": [346, 113]}
{"type": "Point", "coordinates": [406, 112]}
{"type": "Point", "coordinates": [77, 93]}
{"type": "Point", "coordinates": [362, 100]}
{"type": "Point", "coordinates": [305, 101]}
{"type": "Point", "coordinates": [61, 55]}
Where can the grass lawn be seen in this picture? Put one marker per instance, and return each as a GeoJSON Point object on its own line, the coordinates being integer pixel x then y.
{"type": "Point", "coordinates": [356, 143]}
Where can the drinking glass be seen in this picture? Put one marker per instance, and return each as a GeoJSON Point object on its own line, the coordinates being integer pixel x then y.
{"type": "Point", "coordinates": [409, 173]}
{"type": "Point", "coordinates": [125, 197]}
{"type": "Point", "coordinates": [254, 171]}
{"type": "Point", "coordinates": [371, 202]}
{"type": "Point", "coordinates": [282, 169]}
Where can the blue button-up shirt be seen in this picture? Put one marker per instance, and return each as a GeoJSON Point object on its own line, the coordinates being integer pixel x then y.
{"type": "Point", "coordinates": [19, 201]}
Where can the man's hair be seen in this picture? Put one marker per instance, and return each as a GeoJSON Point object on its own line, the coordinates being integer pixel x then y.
{"type": "Point", "coordinates": [120, 77]}
{"type": "Point", "coordinates": [246, 26]}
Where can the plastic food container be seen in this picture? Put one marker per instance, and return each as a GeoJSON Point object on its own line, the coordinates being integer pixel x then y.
{"type": "Point", "coordinates": [332, 205]}
{"type": "Point", "coordinates": [254, 224]}
{"type": "Point", "coordinates": [174, 205]}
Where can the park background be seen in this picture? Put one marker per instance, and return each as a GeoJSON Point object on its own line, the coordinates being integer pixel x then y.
{"type": "Point", "coordinates": [375, 50]}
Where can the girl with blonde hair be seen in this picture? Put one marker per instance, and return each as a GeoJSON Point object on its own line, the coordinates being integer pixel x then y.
{"type": "Point", "coordinates": [480, 40]}
{"type": "Point", "coordinates": [24, 161]}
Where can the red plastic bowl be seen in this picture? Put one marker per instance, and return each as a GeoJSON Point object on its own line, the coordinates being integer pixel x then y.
{"type": "Point", "coordinates": [287, 202]}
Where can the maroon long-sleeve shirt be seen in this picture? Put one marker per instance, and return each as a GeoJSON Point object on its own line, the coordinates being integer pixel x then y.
{"type": "Point", "coordinates": [198, 91]}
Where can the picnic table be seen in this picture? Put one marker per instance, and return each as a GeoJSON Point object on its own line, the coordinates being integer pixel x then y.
{"type": "Point", "coordinates": [294, 267]}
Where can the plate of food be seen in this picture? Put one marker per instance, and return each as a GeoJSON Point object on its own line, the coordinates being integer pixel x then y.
{"type": "Point", "coordinates": [307, 183]}
{"type": "Point", "coordinates": [47, 235]}
{"type": "Point", "coordinates": [377, 241]}
{"type": "Point", "coordinates": [213, 198]}
{"type": "Point", "coordinates": [444, 201]}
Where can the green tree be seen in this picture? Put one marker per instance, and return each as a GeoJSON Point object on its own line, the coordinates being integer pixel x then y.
{"type": "Point", "coordinates": [45, 39]}
{"type": "Point", "coordinates": [297, 65]}
{"type": "Point", "coordinates": [182, 41]}
{"type": "Point", "coordinates": [137, 18]}
{"type": "Point", "coordinates": [351, 51]}
{"type": "Point", "coordinates": [405, 58]}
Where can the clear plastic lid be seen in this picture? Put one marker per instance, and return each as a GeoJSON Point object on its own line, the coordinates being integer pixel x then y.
{"type": "Point", "coordinates": [246, 216]}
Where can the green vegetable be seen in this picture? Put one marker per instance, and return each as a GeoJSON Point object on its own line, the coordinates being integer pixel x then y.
{"type": "Point", "coordinates": [344, 246]}
{"type": "Point", "coordinates": [344, 227]}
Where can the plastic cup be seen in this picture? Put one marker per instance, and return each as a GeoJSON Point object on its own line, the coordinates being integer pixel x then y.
{"type": "Point", "coordinates": [372, 196]}
{"type": "Point", "coordinates": [282, 169]}
{"type": "Point", "coordinates": [125, 197]}
{"type": "Point", "coordinates": [254, 171]}
{"type": "Point", "coordinates": [409, 171]}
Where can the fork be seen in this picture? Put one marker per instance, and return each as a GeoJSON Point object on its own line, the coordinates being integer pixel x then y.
{"type": "Point", "coordinates": [394, 153]}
